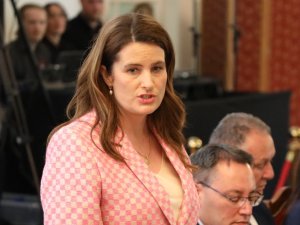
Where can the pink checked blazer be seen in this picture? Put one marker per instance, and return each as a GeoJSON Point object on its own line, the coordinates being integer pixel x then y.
{"type": "Point", "coordinates": [83, 185]}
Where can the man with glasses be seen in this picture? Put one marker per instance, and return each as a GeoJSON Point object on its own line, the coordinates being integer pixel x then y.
{"type": "Point", "coordinates": [251, 134]}
{"type": "Point", "coordinates": [226, 185]}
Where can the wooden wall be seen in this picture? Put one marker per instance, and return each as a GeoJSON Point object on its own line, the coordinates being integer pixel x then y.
{"type": "Point", "coordinates": [268, 51]}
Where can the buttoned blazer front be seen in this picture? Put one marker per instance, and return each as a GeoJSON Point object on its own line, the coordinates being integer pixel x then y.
{"type": "Point", "coordinates": [81, 184]}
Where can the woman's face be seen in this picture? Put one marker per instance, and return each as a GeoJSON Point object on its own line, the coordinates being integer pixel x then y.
{"type": "Point", "coordinates": [139, 78]}
{"type": "Point", "coordinates": [57, 20]}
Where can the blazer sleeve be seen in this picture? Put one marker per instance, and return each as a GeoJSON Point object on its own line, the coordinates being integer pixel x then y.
{"type": "Point", "coordinates": [71, 182]}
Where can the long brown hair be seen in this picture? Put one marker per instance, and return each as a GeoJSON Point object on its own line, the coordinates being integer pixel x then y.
{"type": "Point", "coordinates": [92, 93]}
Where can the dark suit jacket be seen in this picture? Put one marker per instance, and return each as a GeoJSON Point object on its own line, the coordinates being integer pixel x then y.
{"type": "Point", "coordinates": [79, 34]}
{"type": "Point", "coordinates": [263, 215]}
{"type": "Point", "coordinates": [24, 69]}
{"type": "Point", "coordinates": [293, 217]}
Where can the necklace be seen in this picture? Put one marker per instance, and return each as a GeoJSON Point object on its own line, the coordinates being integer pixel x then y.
{"type": "Point", "coordinates": [146, 157]}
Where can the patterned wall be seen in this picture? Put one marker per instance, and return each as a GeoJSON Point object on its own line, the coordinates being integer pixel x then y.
{"type": "Point", "coordinates": [283, 71]}
{"type": "Point", "coordinates": [284, 67]}
{"type": "Point", "coordinates": [213, 38]}
{"type": "Point", "coordinates": [247, 60]}
{"type": "Point", "coordinates": [285, 57]}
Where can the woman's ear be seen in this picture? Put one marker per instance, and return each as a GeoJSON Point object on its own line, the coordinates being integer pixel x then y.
{"type": "Point", "coordinates": [199, 188]}
{"type": "Point", "coordinates": [108, 79]}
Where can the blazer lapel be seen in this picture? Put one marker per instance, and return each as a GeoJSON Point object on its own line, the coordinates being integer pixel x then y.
{"type": "Point", "coordinates": [187, 185]}
{"type": "Point", "coordinates": [139, 168]}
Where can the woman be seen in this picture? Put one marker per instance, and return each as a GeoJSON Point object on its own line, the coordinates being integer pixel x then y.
{"type": "Point", "coordinates": [57, 22]}
{"type": "Point", "coordinates": [120, 158]}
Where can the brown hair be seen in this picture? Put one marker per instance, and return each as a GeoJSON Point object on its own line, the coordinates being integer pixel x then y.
{"type": "Point", "coordinates": [207, 157]}
{"type": "Point", "coordinates": [92, 93]}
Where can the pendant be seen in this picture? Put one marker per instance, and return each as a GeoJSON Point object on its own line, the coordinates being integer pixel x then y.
{"type": "Point", "coordinates": [146, 160]}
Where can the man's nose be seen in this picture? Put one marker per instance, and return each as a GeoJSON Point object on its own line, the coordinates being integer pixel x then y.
{"type": "Point", "coordinates": [246, 208]}
{"type": "Point", "coordinates": [269, 172]}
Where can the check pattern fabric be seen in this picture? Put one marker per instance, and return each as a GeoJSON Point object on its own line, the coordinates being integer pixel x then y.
{"type": "Point", "coordinates": [81, 184]}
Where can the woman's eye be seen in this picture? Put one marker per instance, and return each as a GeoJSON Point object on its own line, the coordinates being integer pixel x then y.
{"type": "Point", "coordinates": [157, 69]}
{"type": "Point", "coordinates": [133, 70]}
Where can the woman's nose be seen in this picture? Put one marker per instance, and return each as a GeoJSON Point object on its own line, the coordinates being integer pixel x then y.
{"type": "Point", "coordinates": [146, 79]}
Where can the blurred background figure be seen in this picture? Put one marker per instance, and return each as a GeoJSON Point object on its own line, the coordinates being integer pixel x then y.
{"type": "Point", "coordinates": [29, 57]}
{"type": "Point", "coordinates": [143, 8]}
{"type": "Point", "coordinates": [293, 216]}
{"type": "Point", "coordinates": [82, 29]}
{"type": "Point", "coordinates": [34, 19]}
{"type": "Point", "coordinates": [57, 23]}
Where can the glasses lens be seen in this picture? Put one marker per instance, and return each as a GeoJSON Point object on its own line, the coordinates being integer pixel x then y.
{"type": "Point", "coordinates": [256, 200]}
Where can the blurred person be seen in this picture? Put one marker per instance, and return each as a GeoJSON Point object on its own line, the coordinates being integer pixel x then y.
{"type": "Point", "coordinates": [57, 22]}
{"type": "Point", "coordinates": [29, 57]}
{"type": "Point", "coordinates": [226, 185]}
{"type": "Point", "coordinates": [251, 134]}
{"type": "Point", "coordinates": [82, 30]}
{"type": "Point", "coordinates": [120, 158]}
{"type": "Point", "coordinates": [34, 22]}
{"type": "Point", "coordinates": [143, 8]}
{"type": "Point", "coordinates": [293, 214]}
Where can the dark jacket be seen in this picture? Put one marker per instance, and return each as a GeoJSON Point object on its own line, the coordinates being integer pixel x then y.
{"type": "Point", "coordinates": [56, 50]}
{"type": "Point", "coordinates": [293, 216]}
{"type": "Point", "coordinates": [263, 215]}
{"type": "Point", "coordinates": [24, 70]}
{"type": "Point", "coordinates": [79, 34]}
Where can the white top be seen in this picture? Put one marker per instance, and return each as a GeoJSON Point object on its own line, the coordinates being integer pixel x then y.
{"type": "Point", "coordinates": [253, 220]}
{"type": "Point", "coordinates": [170, 180]}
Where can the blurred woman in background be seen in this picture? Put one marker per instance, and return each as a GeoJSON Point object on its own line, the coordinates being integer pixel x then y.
{"type": "Point", "coordinates": [57, 22]}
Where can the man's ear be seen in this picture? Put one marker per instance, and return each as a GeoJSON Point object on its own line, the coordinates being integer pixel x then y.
{"type": "Point", "coordinates": [108, 79]}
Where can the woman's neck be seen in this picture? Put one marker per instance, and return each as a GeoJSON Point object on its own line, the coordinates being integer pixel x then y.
{"type": "Point", "coordinates": [135, 126]}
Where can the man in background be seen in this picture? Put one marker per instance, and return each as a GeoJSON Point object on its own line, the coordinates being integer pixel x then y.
{"type": "Point", "coordinates": [81, 30]}
{"type": "Point", "coordinates": [251, 134]}
{"type": "Point", "coordinates": [34, 21]}
{"type": "Point", "coordinates": [225, 184]}
{"type": "Point", "coordinates": [29, 57]}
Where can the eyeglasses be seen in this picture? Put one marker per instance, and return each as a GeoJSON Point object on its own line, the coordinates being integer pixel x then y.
{"type": "Point", "coordinates": [254, 199]}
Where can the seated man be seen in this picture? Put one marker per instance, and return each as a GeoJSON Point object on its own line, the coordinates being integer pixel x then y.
{"type": "Point", "coordinates": [226, 185]}
{"type": "Point", "coordinates": [251, 134]}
